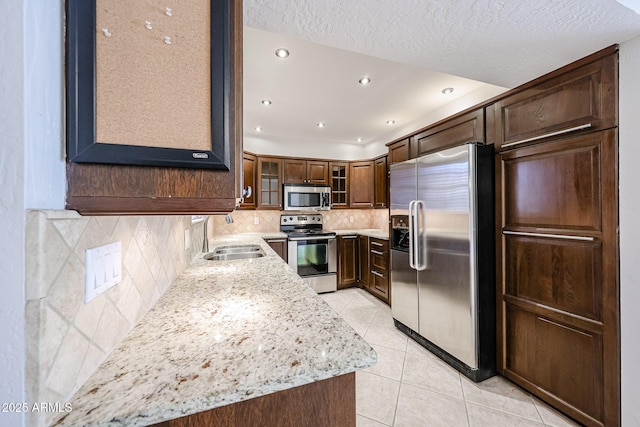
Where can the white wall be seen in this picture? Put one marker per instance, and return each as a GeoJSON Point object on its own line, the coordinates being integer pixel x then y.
{"type": "Point", "coordinates": [12, 215]}
{"type": "Point", "coordinates": [334, 150]}
{"type": "Point", "coordinates": [43, 97]}
{"type": "Point", "coordinates": [297, 148]}
{"type": "Point", "coordinates": [629, 173]}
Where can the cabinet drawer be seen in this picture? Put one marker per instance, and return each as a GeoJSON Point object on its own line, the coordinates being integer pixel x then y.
{"type": "Point", "coordinates": [560, 359]}
{"type": "Point", "coordinates": [380, 283]}
{"type": "Point", "coordinates": [560, 274]}
{"type": "Point", "coordinates": [379, 260]}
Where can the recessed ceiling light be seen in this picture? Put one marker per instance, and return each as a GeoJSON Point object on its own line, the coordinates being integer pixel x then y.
{"type": "Point", "coordinates": [359, 139]}
{"type": "Point", "coordinates": [391, 122]}
{"type": "Point", "coordinates": [266, 102]}
{"type": "Point", "coordinates": [282, 52]}
{"type": "Point", "coordinates": [365, 80]}
{"type": "Point", "coordinates": [447, 90]}
{"type": "Point", "coordinates": [258, 129]}
{"type": "Point", "coordinates": [320, 124]}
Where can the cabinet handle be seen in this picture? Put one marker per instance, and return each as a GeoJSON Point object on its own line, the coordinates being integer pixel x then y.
{"type": "Point", "coordinates": [376, 252]}
{"type": "Point", "coordinates": [551, 236]}
{"type": "Point", "coordinates": [277, 241]}
{"type": "Point", "coordinates": [376, 244]}
{"type": "Point", "coordinates": [349, 237]}
{"type": "Point", "coordinates": [377, 274]}
{"type": "Point", "coordinates": [546, 135]}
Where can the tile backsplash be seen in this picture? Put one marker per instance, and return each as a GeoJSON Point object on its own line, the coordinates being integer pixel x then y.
{"type": "Point", "coordinates": [68, 339]}
{"type": "Point", "coordinates": [261, 221]}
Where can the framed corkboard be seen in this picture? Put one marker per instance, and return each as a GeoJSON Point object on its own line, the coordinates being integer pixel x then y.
{"type": "Point", "coordinates": [148, 82]}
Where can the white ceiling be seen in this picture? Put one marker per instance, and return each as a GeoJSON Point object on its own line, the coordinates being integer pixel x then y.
{"type": "Point", "coordinates": [405, 46]}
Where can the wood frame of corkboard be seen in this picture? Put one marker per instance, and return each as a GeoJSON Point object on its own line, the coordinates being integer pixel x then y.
{"type": "Point", "coordinates": [130, 147]}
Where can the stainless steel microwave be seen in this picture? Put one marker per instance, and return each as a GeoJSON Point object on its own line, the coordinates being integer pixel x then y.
{"type": "Point", "coordinates": [306, 197]}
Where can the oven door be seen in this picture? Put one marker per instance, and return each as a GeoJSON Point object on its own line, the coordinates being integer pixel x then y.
{"type": "Point", "coordinates": [315, 260]}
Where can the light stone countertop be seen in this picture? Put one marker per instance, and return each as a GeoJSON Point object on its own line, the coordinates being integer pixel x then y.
{"type": "Point", "coordinates": [223, 333]}
{"type": "Point", "coordinates": [371, 232]}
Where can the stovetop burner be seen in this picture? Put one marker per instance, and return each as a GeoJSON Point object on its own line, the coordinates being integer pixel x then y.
{"type": "Point", "coordinates": [303, 225]}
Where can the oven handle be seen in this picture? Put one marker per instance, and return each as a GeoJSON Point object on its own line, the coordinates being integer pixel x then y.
{"type": "Point", "coordinates": [297, 239]}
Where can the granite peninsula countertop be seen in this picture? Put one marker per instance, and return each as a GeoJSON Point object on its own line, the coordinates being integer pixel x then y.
{"type": "Point", "coordinates": [224, 332]}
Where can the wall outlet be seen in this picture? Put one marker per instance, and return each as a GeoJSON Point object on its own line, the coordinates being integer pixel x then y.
{"type": "Point", "coordinates": [350, 219]}
{"type": "Point", "coordinates": [187, 239]}
{"type": "Point", "coordinates": [103, 269]}
{"type": "Point", "coordinates": [256, 220]}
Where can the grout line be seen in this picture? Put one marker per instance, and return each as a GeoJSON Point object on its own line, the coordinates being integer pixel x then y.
{"type": "Point", "coordinates": [404, 363]}
{"type": "Point", "coordinates": [464, 399]}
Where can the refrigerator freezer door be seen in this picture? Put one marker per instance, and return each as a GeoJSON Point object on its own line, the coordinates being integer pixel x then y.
{"type": "Point", "coordinates": [404, 290]}
{"type": "Point", "coordinates": [447, 286]}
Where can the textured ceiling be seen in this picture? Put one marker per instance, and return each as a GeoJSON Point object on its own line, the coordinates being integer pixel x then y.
{"type": "Point", "coordinates": [406, 46]}
{"type": "Point", "coordinates": [502, 42]}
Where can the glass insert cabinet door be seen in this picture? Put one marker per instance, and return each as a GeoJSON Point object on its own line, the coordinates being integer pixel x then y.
{"type": "Point", "coordinates": [339, 177]}
{"type": "Point", "coordinates": [313, 257]}
{"type": "Point", "coordinates": [270, 183]}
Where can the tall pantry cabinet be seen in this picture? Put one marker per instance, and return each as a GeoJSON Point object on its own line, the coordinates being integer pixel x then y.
{"type": "Point", "coordinates": [557, 217]}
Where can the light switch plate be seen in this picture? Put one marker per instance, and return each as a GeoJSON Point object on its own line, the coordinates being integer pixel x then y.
{"type": "Point", "coordinates": [103, 269]}
{"type": "Point", "coordinates": [187, 239]}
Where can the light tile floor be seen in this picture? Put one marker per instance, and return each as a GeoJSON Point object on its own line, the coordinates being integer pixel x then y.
{"type": "Point", "coordinates": [411, 387]}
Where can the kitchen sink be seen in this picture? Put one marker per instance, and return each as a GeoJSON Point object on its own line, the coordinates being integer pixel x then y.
{"type": "Point", "coordinates": [227, 253]}
{"type": "Point", "coordinates": [237, 249]}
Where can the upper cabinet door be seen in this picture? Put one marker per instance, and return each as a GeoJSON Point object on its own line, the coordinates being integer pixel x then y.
{"type": "Point", "coordinates": [399, 151]}
{"type": "Point", "coordinates": [154, 123]}
{"type": "Point", "coordinates": [581, 100]}
{"type": "Point", "coordinates": [339, 184]}
{"type": "Point", "coordinates": [317, 172]}
{"type": "Point", "coordinates": [300, 171]}
{"type": "Point", "coordinates": [380, 181]}
{"type": "Point", "coordinates": [269, 183]}
{"type": "Point", "coordinates": [249, 166]}
{"type": "Point", "coordinates": [361, 184]}
{"type": "Point", "coordinates": [468, 127]}
{"type": "Point", "coordinates": [295, 171]}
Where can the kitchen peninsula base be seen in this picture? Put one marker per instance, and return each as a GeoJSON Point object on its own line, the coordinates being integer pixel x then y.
{"type": "Point", "coordinates": [330, 402]}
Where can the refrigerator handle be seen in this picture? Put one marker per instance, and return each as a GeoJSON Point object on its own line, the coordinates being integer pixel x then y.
{"type": "Point", "coordinates": [412, 237]}
{"type": "Point", "coordinates": [421, 237]}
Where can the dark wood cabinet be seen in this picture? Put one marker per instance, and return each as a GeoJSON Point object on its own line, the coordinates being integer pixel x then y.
{"type": "Point", "coordinates": [380, 182]}
{"type": "Point", "coordinates": [558, 319]}
{"type": "Point", "coordinates": [249, 167]}
{"type": "Point", "coordinates": [269, 188]}
{"type": "Point", "coordinates": [399, 151]}
{"type": "Point", "coordinates": [361, 184]}
{"type": "Point", "coordinates": [301, 171]}
{"type": "Point", "coordinates": [363, 262]}
{"type": "Point", "coordinates": [339, 184]}
{"type": "Point", "coordinates": [347, 261]}
{"type": "Point", "coordinates": [581, 100]}
{"type": "Point", "coordinates": [280, 247]}
{"type": "Point", "coordinates": [459, 130]}
{"type": "Point", "coordinates": [379, 268]}
{"type": "Point", "coordinates": [124, 178]}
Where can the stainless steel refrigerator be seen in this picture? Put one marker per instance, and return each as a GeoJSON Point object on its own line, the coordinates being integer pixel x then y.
{"type": "Point", "coordinates": [442, 255]}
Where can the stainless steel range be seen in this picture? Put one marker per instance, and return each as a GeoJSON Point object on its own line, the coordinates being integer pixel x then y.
{"type": "Point", "coordinates": [312, 251]}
